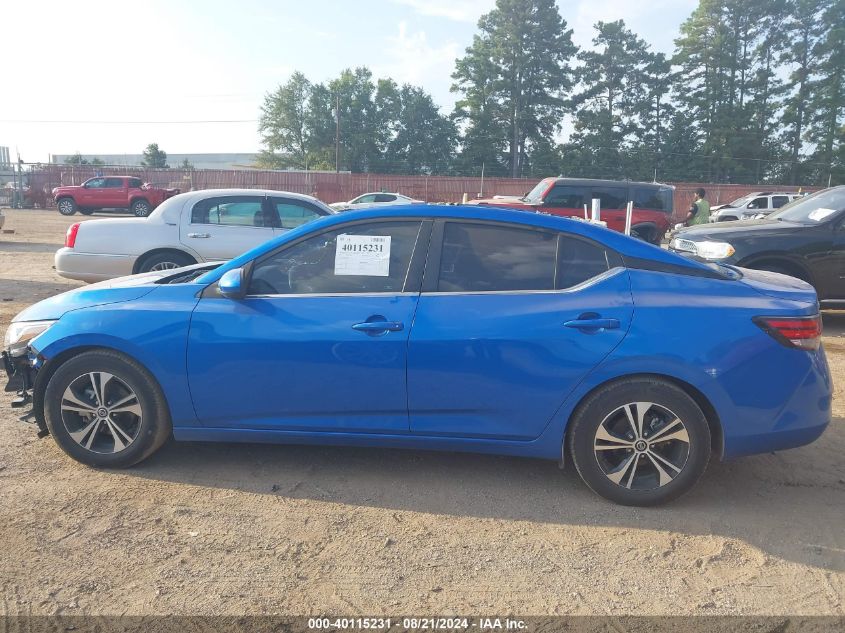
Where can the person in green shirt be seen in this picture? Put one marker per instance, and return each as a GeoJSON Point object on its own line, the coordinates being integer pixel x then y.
{"type": "Point", "coordinates": [699, 212]}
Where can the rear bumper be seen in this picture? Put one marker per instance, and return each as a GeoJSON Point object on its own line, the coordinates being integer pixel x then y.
{"type": "Point", "coordinates": [92, 267]}
{"type": "Point", "coordinates": [802, 419]}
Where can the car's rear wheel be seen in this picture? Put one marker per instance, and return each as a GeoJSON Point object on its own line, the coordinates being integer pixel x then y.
{"type": "Point", "coordinates": [640, 442]}
{"type": "Point", "coordinates": [165, 260]}
{"type": "Point", "coordinates": [106, 410]}
{"type": "Point", "coordinates": [140, 208]}
{"type": "Point", "coordinates": [66, 206]}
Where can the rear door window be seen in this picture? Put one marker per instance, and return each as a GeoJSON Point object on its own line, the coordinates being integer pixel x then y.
{"type": "Point", "coordinates": [114, 183]}
{"type": "Point", "coordinates": [649, 198]}
{"type": "Point", "coordinates": [487, 258]}
{"type": "Point", "coordinates": [293, 213]}
{"type": "Point", "coordinates": [578, 261]}
{"type": "Point", "coordinates": [611, 197]}
{"type": "Point", "coordinates": [385, 197]}
{"type": "Point", "coordinates": [231, 211]}
{"type": "Point", "coordinates": [779, 201]}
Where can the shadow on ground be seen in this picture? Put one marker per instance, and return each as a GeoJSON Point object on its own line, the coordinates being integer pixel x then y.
{"type": "Point", "coordinates": [787, 504]}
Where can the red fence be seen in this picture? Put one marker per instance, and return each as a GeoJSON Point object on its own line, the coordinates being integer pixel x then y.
{"type": "Point", "coordinates": [332, 187]}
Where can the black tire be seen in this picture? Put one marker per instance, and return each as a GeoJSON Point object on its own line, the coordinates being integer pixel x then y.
{"type": "Point", "coordinates": [639, 485]}
{"type": "Point", "coordinates": [164, 260]}
{"type": "Point", "coordinates": [140, 208]}
{"type": "Point", "coordinates": [142, 435]}
{"type": "Point", "coordinates": [86, 211]}
{"type": "Point", "coordinates": [66, 206]}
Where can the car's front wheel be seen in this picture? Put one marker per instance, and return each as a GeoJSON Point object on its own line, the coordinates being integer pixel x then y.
{"type": "Point", "coordinates": [141, 208]}
{"type": "Point", "coordinates": [106, 410]}
{"type": "Point", "coordinates": [640, 442]}
{"type": "Point", "coordinates": [66, 206]}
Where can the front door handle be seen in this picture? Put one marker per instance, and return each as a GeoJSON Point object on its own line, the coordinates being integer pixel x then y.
{"type": "Point", "coordinates": [376, 327]}
{"type": "Point", "coordinates": [593, 324]}
{"type": "Point", "coordinates": [199, 235]}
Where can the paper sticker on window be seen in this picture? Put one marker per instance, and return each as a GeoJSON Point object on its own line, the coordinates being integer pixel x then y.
{"type": "Point", "coordinates": [820, 214]}
{"type": "Point", "coordinates": [362, 255]}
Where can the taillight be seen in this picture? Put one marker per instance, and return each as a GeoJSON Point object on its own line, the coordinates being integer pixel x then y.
{"type": "Point", "coordinates": [800, 332]}
{"type": "Point", "coordinates": [70, 237]}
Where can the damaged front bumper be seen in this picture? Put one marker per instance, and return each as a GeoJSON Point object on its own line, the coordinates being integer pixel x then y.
{"type": "Point", "coordinates": [21, 372]}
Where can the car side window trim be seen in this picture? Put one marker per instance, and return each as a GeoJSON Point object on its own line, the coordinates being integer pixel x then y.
{"type": "Point", "coordinates": [435, 251]}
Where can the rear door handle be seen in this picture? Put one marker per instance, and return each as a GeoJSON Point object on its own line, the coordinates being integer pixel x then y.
{"type": "Point", "coordinates": [379, 326]}
{"type": "Point", "coordinates": [593, 324]}
{"type": "Point", "coordinates": [199, 235]}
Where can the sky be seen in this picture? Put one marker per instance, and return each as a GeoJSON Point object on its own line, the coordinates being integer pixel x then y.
{"type": "Point", "coordinates": [109, 78]}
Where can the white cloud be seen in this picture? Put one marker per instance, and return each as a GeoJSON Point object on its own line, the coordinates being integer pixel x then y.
{"type": "Point", "coordinates": [411, 58]}
{"type": "Point", "coordinates": [458, 10]}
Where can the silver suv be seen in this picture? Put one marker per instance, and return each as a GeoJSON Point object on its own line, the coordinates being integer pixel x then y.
{"type": "Point", "coordinates": [753, 205]}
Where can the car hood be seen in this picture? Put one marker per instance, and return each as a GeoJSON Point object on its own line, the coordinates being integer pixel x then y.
{"type": "Point", "coordinates": [118, 290]}
{"type": "Point", "coordinates": [725, 231]}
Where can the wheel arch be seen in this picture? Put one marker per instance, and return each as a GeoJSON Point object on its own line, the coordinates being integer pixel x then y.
{"type": "Point", "coordinates": [49, 368]}
{"type": "Point", "coordinates": [167, 249]}
{"type": "Point", "coordinates": [717, 440]}
{"type": "Point", "coordinates": [779, 259]}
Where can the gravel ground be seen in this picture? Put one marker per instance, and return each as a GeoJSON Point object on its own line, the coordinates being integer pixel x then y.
{"type": "Point", "coordinates": [212, 529]}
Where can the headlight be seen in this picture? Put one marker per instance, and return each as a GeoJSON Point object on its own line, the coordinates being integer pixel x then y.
{"type": "Point", "coordinates": [714, 250]}
{"type": "Point", "coordinates": [21, 333]}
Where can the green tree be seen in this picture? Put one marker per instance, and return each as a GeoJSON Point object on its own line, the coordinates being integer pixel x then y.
{"type": "Point", "coordinates": [424, 139]}
{"type": "Point", "coordinates": [517, 76]}
{"type": "Point", "coordinates": [827, 97]}
{"type": "Point", "coordinates": [614, 105]}
{"type": "Point", "coordinates": [76, 159]}
{"type": "Point", "coordinates": [284, 125]}
{"type": "Point", "coordinates": [97, 161]}
{"type": "Point", "coordinates": [154, 157]}
{"type": "Point", "coordinates": [187, 165]}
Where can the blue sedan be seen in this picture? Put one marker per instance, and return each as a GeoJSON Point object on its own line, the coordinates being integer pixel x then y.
{"type": "Point", "coordinates": [447, 328]}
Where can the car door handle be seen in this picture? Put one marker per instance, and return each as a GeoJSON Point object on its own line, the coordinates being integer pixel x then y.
{"type": "Point", "coordinates": [593, 324]}
{"type": "Point", "coordinates": [379, 326]}
{"type": "Point", "coordinates": [199, 235]}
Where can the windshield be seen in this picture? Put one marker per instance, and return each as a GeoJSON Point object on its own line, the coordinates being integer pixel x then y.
{"type": "Point", "coordinates": [741, 202]}
{"type": "Point", "coordinates": [814, 208]}
{"type": "Point", "coordinates": [535, 196]}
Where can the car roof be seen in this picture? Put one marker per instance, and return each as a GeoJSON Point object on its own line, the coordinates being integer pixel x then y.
{"type": "Point", "coordinates": [171, 208]}
{"type": "Point", "coordinates": [600, 181]}
{"type": "Point", "coordinates": [626, 246]}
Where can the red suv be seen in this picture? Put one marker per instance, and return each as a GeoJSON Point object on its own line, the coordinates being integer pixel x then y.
{"type": "Point", "coordinates": [650, 220]}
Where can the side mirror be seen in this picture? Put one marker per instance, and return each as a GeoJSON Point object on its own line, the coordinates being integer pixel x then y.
{"type": "Point", "coordinates": [231, 284]}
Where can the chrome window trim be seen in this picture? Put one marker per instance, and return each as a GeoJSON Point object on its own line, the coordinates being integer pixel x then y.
{"type": "Point", "coordinates": [584, 284]}
{"type": "Point", "coordinates": [334, 294]}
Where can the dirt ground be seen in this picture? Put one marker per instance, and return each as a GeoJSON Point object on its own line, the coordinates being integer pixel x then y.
{"type": "Point", "coordinates": [213, 529]}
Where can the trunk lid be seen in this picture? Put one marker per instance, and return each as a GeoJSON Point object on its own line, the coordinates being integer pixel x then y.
{"type": "Point", "coordinates": [779, 286]}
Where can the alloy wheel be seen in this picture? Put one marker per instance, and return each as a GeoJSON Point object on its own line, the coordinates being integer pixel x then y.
{"type": "Point", "coordinates": [101, 412]}
{"type": "Point", "coordinates": [164, 266]}
{"type": "Point", "coordinates": [641, 446]}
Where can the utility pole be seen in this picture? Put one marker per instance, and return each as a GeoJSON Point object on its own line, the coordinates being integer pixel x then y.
{"type": "Point", "coordinates": [337, 134]}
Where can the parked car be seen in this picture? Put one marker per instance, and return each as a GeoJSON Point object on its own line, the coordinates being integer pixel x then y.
{"type": "Point", "coordinates": [752, 206]}
{"type": "Point", "coordinates": [377, 199]}
{"type": "Point", "coordinates": [111, 192]}
{"type": "Point", "coordinates": [448, 328]}
{"type": "Point", "coordinates": [804, 240]}
{"type": "Point", "coordinates": [650, 220]}
{"type": "Point", "coordinates": [200, 226]}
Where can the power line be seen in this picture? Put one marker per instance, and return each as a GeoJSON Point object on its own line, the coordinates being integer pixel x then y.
{"type": "Point", "coordinates": [93, 122]}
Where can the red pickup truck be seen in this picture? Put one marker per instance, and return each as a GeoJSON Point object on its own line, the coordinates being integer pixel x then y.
{"type": "Point", "coordinates": [650, 219]}
{"type": "Point", "coordinates": [111, 192]}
